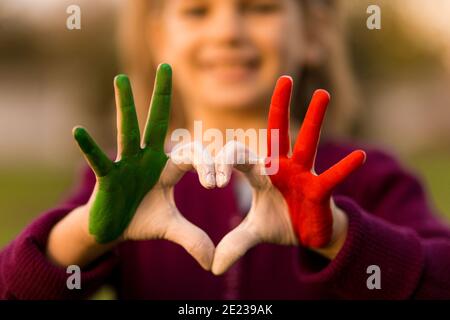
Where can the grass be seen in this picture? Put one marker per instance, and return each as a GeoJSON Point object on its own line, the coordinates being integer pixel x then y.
{"type": "Point", "coordinates": [434, 170]}
{"type": "Point", "coordinates": [25, 192]}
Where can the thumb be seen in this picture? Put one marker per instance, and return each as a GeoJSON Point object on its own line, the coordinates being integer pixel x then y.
{"type": "Point", "coordinates": [233, 246]}
{"type": "Point", "coordinates": [192, 155]}
{"type": "Point", "coordinates": [193, 239]}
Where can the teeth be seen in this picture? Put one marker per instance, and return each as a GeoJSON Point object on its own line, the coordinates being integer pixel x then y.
{"type": "Point", "coordinates": [223, 63]}
{"type": "Point", "coordinates": [231, 65]}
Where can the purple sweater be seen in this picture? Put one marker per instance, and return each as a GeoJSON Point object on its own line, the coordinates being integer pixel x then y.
{"type": "Point", "coordinates": [391, 225]}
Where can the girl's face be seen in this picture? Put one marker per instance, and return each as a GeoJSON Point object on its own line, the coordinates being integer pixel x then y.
{"type": "Point", "coordinates": [229, 53]}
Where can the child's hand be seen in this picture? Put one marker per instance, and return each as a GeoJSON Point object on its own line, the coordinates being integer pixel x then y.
{"type": "Point", "coordinates": [294, 205]}
{"type": "Point", "coordinates": [133, 196]}
{"type": "Point", "coordinates": [307, 195]}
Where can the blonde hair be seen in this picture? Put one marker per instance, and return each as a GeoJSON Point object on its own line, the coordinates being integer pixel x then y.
{"type": "Point", "coordinates": [324, 23]}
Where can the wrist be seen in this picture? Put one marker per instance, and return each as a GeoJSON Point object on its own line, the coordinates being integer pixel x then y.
{"type": "Point", "coordinates": [70, 243]}
{"type": "Point", "coordinates": [339, 235]}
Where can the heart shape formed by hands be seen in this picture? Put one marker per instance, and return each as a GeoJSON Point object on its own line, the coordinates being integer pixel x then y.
{"type": "Point", "coordinates": [291, 206]}
{"type": "Point", "coordinates": [133, 196]}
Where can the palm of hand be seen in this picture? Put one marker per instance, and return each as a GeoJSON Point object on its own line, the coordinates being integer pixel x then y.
{"type": "Point", "coordinates": [121, 191]}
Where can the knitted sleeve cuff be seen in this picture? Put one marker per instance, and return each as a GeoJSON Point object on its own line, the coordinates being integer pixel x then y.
{"type": "Point", "coordinates": [28, 274]}
{"type": "Point", "coordinates": [371, 241]}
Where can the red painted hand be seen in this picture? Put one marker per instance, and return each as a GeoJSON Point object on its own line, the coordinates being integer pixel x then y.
{"type": "Point", "coordinates": [293, 205]}
{"type": "Point", "coordinates": [308, 195]}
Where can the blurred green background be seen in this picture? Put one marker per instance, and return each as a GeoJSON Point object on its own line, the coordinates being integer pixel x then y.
{"type": "Point", "coordinates": [53, 79]}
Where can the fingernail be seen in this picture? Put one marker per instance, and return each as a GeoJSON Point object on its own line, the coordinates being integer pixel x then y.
{"type": "Point", "coordinates": [221, 179]}
{"type": "Point", "coordinates": [210, 180]}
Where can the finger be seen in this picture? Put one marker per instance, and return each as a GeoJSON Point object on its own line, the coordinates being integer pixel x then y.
{"type": "Point", "coordinates": [232, 247]}
{"type": "Point", "coordinates": [193, 239]}
{"type": "Point", "coordinates": [308, 137]}
{"type": "Point", "coordinates": [97, 160]}
{"type": "Point", "coordinates": [341, 170]}
{"type": "Point", "coordinates": [128, 135]}
{"type": "Point", "coordinates": [158, 118]}
{"type": "Point", "coordinates": [279, 116]}
{"type": "Point", "coordinates": [187, 157]}
{"type": "Point", "coordinates": [233, 155]}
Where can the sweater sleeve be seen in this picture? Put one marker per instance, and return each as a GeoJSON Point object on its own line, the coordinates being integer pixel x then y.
{"type": "Point", "coordinates": [391, 226]}
{"type": "Point", "coordinates": [25, 271]}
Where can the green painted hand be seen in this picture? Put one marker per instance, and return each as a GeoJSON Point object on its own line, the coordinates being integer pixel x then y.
{"type": "Point", "coordinates": [133, 196]}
